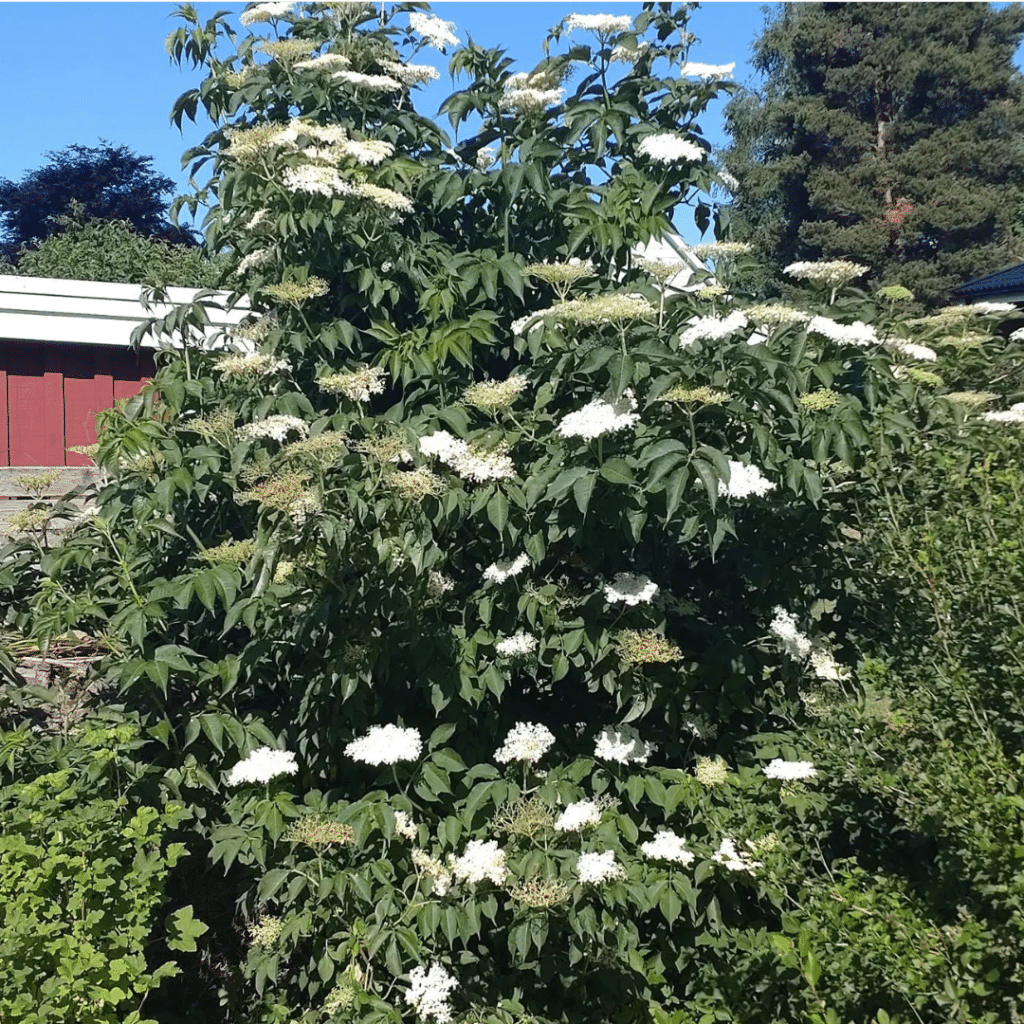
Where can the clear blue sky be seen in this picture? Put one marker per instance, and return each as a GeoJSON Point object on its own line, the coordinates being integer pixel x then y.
{"type": "Point", "coordinates": [81, 72]}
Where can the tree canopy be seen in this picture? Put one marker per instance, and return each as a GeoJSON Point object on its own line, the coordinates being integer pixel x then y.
{"type": "Point", "coordinates": [883, 133]}
{"type": "Point", "coordinates": [110, 182]}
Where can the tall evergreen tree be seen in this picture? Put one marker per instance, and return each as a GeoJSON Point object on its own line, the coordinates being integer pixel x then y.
{"type": "Point", "coordinates": [887, 133]}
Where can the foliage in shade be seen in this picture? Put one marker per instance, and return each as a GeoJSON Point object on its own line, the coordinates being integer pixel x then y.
{"type": "Point", "coordinates": [883, 133]}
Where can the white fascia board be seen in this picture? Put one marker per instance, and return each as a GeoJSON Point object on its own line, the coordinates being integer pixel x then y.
{"type": "Point", "coordinates": [672, 248]}
{"type": "Point", "coordinates": [93, 312]}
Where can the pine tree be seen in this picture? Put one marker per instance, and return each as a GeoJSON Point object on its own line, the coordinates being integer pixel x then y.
{"type": "Point", "coordinates": [886, 133]}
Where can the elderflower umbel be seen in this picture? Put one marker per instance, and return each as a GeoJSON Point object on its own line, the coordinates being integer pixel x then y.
{"type": "Point", "coordinates": [410, 74]}
{"type": "Point", "coordinates": [1015, 414]}
{"type": "Point", "coordinates": [600, 416]}
{"type": "Point", "coordinates": [858, 333]}
{"type": "Point", "coordinates": [519, 645]}
{"type": "Point", "coordinates": [526, 741]}
{"type": "Point", "coordinates": [789, 770]}
{"type": "Point", "coordinates": [255, 365]}
{"type": "Point", "coordinates": [386, 744]}
{"type": "Point", "coordinates": [711, 328]}
{"type": "Point", "coordinates": [266, 931]}
{"type": "Point", "coordinates": [774, 314]}
{"type": "Point", "coordinates": [711, 771]}
{"type": "Point", "coordinates": [324, 181]}
{"type": "Point", "coordinates": [501, 571]}
{"type": "Point", "coordinates": [481, 861]}
{"type": "Point", "coordinates": [603, 23]}
{"type": "Point", "coordinates": [468, 461]}
{"type": "Point", "coordinates": [623, 745]}
{"type": "Point", "coordinates": [265, 11]}
{"type": "Point", "coordinates": [254, 260]}
{"type": "Point", "coordinates": [405, 826]}
{"type": "Point", "coordinates": [667, 148]}
{"type": "Point", "coordinates": [262, 765]}
{"type": "Point", "coordinates": [733, 859]}
{"type": "Point", "coordinates": [375, 83]}
{"type": "Point", "coordinates": [919, 352]}
{"type": "Point", "coordinates": [631, 589]}
{"type": "Point", "coordinates": [277, 428]}
{"type": "Point", "coordinates": [666, 845]}
{"type": "Point", "coordinates": [624, 55]}
{"type": "Point", "coordinates": [440, 876]}
{"type": "Point", "coordinates": [578, 816]}
{"type": "Point", "coordinates": [529, 94]}
{"type": "Point", "coordinates": [706, 71]}
{"type": "Point", "coordinates": [598, 868]}
{"type": "Point", "coordinates": [490, 395]}
{"type": "Point", "coordinates": [744, 481]}
{"type": "Point", "coordinates": [327, 62]}
{"type": "Point", "coordinates": [435, 31]}
{"type": "Point", "coordinates": [830, 272]}
{"type": "Point", "coordinates": [721, 250]}
{"type": "Point", "coordinates": [429, 990]}
{"type": "Point", "coordinates": [356, 385]}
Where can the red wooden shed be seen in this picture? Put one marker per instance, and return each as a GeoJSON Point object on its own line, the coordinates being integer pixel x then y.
{"type": "Point", "coordinates": [64, 357]}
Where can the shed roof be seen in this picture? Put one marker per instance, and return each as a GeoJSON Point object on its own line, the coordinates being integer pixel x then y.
{"type": "Point", "coordinates": [1010, 279]}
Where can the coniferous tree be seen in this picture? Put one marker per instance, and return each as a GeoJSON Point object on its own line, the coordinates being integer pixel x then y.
{"type": "Point", "coordinates": [887, 133]}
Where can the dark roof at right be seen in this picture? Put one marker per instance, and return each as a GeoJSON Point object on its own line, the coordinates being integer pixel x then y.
{"type": "Point", "coordinates": [1009, 280]}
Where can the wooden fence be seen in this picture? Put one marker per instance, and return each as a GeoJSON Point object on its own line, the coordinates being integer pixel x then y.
{"type": "Point", "coordinates": [15, 497]}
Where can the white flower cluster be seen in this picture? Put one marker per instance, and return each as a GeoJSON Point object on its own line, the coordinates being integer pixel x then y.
{"type": "Point", "coordinates": [667, 148]}
{"type": "Point", "coordinates": [410, 74]}
{"type": "Point", "coordinates": [253, 365]}
{"type": "Point", "coordinates": [519, 645]}
{"type": "Point", "coordinates": [603, 23]}
{"type": "Point", "coordinates": [256, 258]}
{"type": "Point", "coordinates": [481, 861]}
{"type": "Point", "coordinates": [501, 571]}
{"type": "Point", "coordinates": [733, 859]}
{"type": "Point", "coordinates": [526, 741]}
{"type": "Point", "coordinates": [405, 826]}
{"type": "Point", "coordinates": [800, 647]}
{"type": "Point", "coordinates": [275, 427]}
{"type": "Point", "coordinates": [262, 765]}
{"type": "Point", "coordinates": [744, 481]}
{"type": "Point", "coordinates": [631, 589]}
{"type": "Point", "coordinates": [386, 744]}
{"type": "Point", "coordinates": [316, 180]}
{"type": "Point", "coordinates": [435, 31]}
{"type": "Point", "coordinates": [922, 353]}
{"type": "Point", "coordinates": [728, 180]}
{"type": "Point", "coordinates": [356, 385]}
{"type": "Point", "coordinates": [528, 93]}
{"type": "Point", "coordinates": [830, 272]}
{"type": "Point", "coordinates": [375, 83]}
{"type": "Point", "coordinates": [789, 770]}
{"type": "Point", "coordinates": [468, 461]}
{"type": "Point", "coordinates": [324, 63]}
{"type": "Point", "coordinates": [622, 744]}
{"type": "Point", "coordinates": [858, 333]}
{"type": "Point", "coordinates": [600, 416]}
{"type": "Point", "coordinates": [694, 69]}
{"type": "Point", "coordinates": [666, 845]}
{"type": "Point", "coordinates": [624, 55]}
{"type": "Point", "coordinates": [578, 816]}
{"type": "Point", "coordinates": [598, 868]}
{"type": "Point", "coordinates": [711, 328]}
{"type": "Point", "coordinates": [1015, 414]}
{"type": "Point", "coordinates": [368, 152]}
{"type": "Point", "coordinates": [485, 157]}
{"type": "Point", "coordinates": [265, 11]}
{"type": "Point", "coordinates": [429, 990]}
{"type": "Point", "coordinates": [985, 308]}
{"type": "Point", "coordinates": [441, 877]}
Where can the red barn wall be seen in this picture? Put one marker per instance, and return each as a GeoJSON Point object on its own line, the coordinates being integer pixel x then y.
{"type": "Point", "coordinates": [50, 394]}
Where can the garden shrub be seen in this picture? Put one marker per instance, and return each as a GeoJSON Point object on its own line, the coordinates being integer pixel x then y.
{"type": "Point", "coordinates": [495, 605]}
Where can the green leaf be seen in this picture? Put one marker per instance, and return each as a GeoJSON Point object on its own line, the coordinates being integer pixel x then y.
{"type": "Point", "coordinates": [582, 489]}
{"type": "Point", "coordinates": [497, 511]}
{"type": "Point", "coordinates": [617, 471]}
{"type": "Point", "coordinates": [183, 930]}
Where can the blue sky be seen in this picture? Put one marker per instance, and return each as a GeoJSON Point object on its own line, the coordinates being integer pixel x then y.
{"type": "Point", "coordinates": [103, 72]}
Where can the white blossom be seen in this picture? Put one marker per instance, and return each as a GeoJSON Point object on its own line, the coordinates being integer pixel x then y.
{"type": "Point", "coordinates": [706, 71]}
{"type": "Point", "coordinates": [800, 647]}
{"type": "Point", "coordinates": [624, 55]}
{"type": "Point", "coordinates": [789, 770]}
{"type": "Point", "coordinates": [441, 877]}
{"type": "Point", "coordinates": [481, 861]}
{"type": "Point", "coordinates": [600, 416]}
{"type": "Point", "coordinates": [519, 645]}
{"type": "Point", "coordinates": [386, 744]}
{"type": "Point", "coordinates": [1015, 414]}
{"type": "Point", "coordinates": [984, 308]}
{"type": "Point", "coordinates": [603, 23]}
{"type": "Point", "coordinates": [317, 180]}
{"type": "Point", "coordinates": [410, 74]}
{"type": "Point", "coordinates": [733, 859]}
{"type": "Point", "coordinates": [630, 588]}
{"type": "Point", "coordinates": [529, 93]}
{"type": "Point", "coordinates": [262, 765]}
{"type": "Point", "coordinates": [442, 445]}
{"type": "Point", "coordinates": [1017, 335]}
{"type": "Point", "coordinates": [265, 11]}
{"type": "Point", "coordinates": [526, 741]}
{"type": "Point", "coordinates": [325, 62]}
{"type": "Point", "coordinates": [578, 816]}
{"type": "Point", "coordinates": [429, 991]}
{"type": "Point", "coordinates": [485, 156]}
{"type": "Point", "coordinates": [622, 744]}
{"type": "Point", "coordinates": [666, 845]}
{"type": "Point", "coordinates": [375, 83]}
{"type": "Point", "coordinates": [711, 328]}
{"type": "Point", "coordinates": [921, 353]}
{"type": "Point", "coordinates": [728, 180]}
{"type": "Point", "coordinates": [667, 148]}
{"type": "Point", "coordinates": [275, 427]}
{"type": "Point", "coordinates": [257, 258]}
{"type": "Point", "coordinates": [368, 152]}
{"type": "Point", "coordinates": [435, 31]}
{"type": "Point", "coordinates": [858, 333]}
{"type": "Point", "coordinates": [744, 481]}
{"type": "Point", "coordinates": [598, 868]}
{"type": "Point", "coordinates": [501, 571]}
{"type": "Point", "coordinates": [831, 272]}
{"type": "Point", "coordinates": [251, 365]}
{"type": "Point", "coordinates": [405, 826]}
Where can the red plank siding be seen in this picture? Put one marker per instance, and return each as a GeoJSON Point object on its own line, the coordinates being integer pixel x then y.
{"type": "Point", "coordinates": [87, 390]}
{"type": "Point", "coordinates": [26, 405]}
{"type": "Point", "coordinates": [5, 446]}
